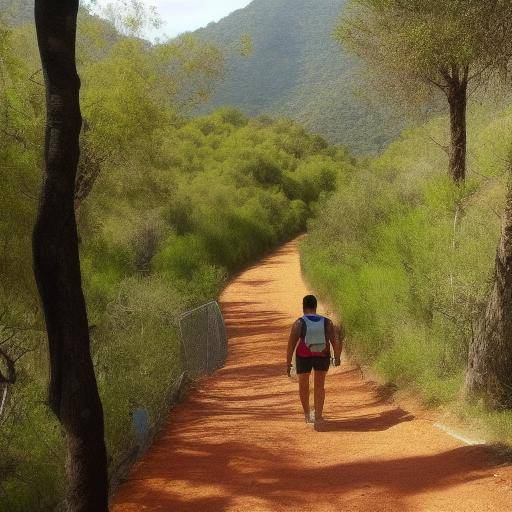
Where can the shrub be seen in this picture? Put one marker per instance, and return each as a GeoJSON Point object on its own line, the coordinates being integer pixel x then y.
{"type": "Point", "coordinates": [160, 231]}
{"type": "Point", "coordinates": [405, 256]}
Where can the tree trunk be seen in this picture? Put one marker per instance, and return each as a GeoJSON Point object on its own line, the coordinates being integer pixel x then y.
{"type": "Point", "coordinates": [489, 374]}
{"type": "Point", "coordinates": [73, 392]}
{"type": "Point", "coordinates": [457, 98]}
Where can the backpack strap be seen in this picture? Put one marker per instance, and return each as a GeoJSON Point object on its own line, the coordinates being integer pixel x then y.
{"type": "Point", "coordinates": [303, 327]}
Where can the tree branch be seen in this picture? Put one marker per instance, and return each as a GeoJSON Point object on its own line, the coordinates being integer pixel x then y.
{"type": "Point", "coordinates": [10, 376]}
{"type": "Point", "coordinates": [31, 78]}
{"type": "Point", "coordinates": [446, 149]}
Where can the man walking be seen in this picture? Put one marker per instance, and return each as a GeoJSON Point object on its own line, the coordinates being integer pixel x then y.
{"type": "Point", "coordinates": [312, 335]}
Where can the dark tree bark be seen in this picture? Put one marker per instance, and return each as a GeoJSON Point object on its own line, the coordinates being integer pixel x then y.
{"type": "Point", "coordinates": [457, 99]}
{"type": "Point", "coordinates": [73, 392]}
{"type": "Point", "coordinates": [489, 374]}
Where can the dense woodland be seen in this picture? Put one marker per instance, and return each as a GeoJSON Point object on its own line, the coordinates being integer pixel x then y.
{"type": "Point", "coordinates": [173, 195]}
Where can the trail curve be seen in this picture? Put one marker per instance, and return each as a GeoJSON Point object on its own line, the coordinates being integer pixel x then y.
{"type": "Point", "coordinates": [239, 443]}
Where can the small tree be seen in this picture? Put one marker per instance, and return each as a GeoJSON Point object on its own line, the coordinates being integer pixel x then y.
{"type": "Point", "coordinates": [73, 392]}
{"type": "Point", "coordinates": [440, 45]}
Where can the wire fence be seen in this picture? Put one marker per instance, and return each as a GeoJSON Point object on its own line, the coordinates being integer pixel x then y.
{"type": "Point", "coordinates": [204, 348]}
{"type": "Point", "coordinates": [204, 340]}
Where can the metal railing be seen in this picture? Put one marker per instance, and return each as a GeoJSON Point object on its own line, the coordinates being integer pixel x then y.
{"type": "Point", "coordinates": [204, 340]}
{"type": "Point", "coordinates": [204, 348]}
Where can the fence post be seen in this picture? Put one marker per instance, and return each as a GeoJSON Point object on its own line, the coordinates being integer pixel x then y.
{"type": "Point", "coordinates": [223, 334]}
{"type": "Point", "coordinates": [3, 398]}
{"type": "Point", "coordinates": [183, 349]}
{"type": "Point", "coordinates": [208, 371]}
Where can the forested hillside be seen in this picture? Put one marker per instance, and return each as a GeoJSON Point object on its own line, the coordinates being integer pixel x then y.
{"type": "Point", "coordinates": [296, 69]}
{"type": "Point", "coordinates": [167, 209]}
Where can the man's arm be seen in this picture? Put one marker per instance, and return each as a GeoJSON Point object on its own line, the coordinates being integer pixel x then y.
{"type": "Point", "coordinates": [292, 343]}
{"type": "Point", "coordinates": [336, 337]}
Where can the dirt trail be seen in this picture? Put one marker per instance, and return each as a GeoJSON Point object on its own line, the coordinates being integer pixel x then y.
{"type": "Point", "coordinates": [239, 442]}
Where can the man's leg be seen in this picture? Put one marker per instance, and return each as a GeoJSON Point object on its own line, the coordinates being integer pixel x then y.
{"type": "Point", "coordinates": [319, 394]}
{"type": "Point", "coordinates": [304, 392]}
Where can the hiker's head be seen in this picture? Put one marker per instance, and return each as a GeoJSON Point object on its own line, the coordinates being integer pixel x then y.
{"type": "Point", "coordinates": [309, 304]}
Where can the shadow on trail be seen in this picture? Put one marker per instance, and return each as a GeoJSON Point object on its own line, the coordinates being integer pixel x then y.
{"type": "Point", "coordinates": [238, 442]}
{"type": "Point", "coordinates": [367, 422]}
{"type": "Point", "coordinates": [256, 282]}
{"type": "Point", "coordinates": [242, 323]}
{"type": "Point", "coordinates": [274, 477]}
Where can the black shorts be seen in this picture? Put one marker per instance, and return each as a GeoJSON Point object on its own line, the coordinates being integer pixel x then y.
{"type": "Point", "coordinates": [318, 363]}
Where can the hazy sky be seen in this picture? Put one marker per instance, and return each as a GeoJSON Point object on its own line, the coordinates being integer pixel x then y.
{"type": "Point", "coordinates": [184, 15]}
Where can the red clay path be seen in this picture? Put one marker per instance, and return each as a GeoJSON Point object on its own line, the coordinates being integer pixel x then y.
{"type": "Point", "coordinates": [239, 442]}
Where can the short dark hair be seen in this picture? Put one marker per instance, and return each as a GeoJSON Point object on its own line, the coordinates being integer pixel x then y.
{"type": "Point", "coordinates": [309, 302]}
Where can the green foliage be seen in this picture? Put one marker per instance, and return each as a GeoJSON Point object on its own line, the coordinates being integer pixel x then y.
{"type": "Point", "coordinates": [406, 257]}
{"type": "Point", "coordinates": [246, 45]}
{"type": "Point", "coordinates": [129, 17]}
{"type": "Point", "coordinates": [166, 207]}
{"type": "Point", "coordinates": [299, 73]}
{"type": "Point", "coordinates": [433, 43]}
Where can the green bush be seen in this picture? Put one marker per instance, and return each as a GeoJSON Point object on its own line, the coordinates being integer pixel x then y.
{"type": "Point", "coordinates": [176, 206]}
{"type": "Point", "coordinates": [406, 257]}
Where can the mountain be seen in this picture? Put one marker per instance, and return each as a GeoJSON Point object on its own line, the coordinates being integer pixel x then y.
{"type": "Point", "coordinates": [296, 69]}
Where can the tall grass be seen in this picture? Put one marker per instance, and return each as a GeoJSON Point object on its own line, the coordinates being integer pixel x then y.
{"type": "Point", "coordinates": [406, 257]}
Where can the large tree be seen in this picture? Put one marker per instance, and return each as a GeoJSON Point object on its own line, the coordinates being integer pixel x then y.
{"type": "Point", "coordinates": [451, 46]}
{"type": "Point", "coordinates": [73, 392]}
{"type": "Point", "coordinates": [489, 374]}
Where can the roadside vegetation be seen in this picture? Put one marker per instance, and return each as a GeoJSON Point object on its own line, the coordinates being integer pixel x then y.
{"type": "Point", "coordinates": [406, 257]}
{"type": "Point", "coordinates": [417, 260]}
{"type": "Point", "coordinates": [167, 208]}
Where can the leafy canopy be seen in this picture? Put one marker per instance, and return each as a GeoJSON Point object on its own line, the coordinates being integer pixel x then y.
{"type": "Point", "coordinates": [430, 41]}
